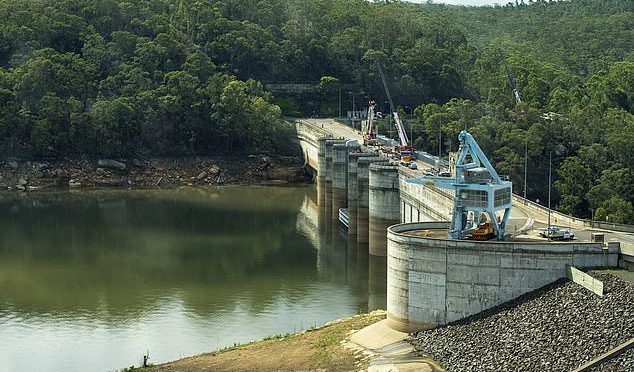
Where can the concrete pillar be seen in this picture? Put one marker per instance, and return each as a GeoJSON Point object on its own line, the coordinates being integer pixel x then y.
{"type": "Point", "coordinates": [384, 207]}
{"type": "Point", "coordinates": [353, 189]}
{"type": "Point", "coordinates": [363, 170]}
{"type": "Point", "coordinates": [377, 282]}
{"type": "Point", "coordinates": [339, 178]}
{"type": "Point", "coordinates": [328, 177]}
{"type": "Point", "coordinates": [321, 174]}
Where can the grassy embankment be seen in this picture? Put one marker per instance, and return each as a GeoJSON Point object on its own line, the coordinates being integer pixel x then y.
{"type": "Point", "coordinates": [315, 349]}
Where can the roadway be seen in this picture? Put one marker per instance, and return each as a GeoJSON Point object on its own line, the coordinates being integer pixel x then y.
{"type": "Point", "coordinates": [519, 217]}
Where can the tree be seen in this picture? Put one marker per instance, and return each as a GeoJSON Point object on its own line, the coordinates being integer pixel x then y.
{"type": "Point", "coordinates": [329, 89]}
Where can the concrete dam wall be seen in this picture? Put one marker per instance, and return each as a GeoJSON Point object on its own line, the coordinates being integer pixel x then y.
{"type": "Point", "coordinates": [434, 281]}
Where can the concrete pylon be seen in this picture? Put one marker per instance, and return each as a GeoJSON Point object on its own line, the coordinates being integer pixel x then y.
{"type": "Point", "coordinates": [377, 282]}
{"type": "Point", "coordinates": [353, 189]}
{"type": "Point", "coordinates": [339, 178]}
{"type": "Point", "coordinates": [363, 171]}
{"type": "Point", "coordinates": [328, 177]}
{"type": "Point", "coordinates": [321, 174]}
{"type": "Point", "coordinates": [384, 207]}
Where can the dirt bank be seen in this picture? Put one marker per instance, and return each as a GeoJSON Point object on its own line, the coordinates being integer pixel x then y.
{"type": "Point", "coordinates": [315, 349]}
{"type": "Point", "coordinates": [253, 169]}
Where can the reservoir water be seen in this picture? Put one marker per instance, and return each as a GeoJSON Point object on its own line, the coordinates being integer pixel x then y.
{"type": "Point", "coordinates": [93, 280]}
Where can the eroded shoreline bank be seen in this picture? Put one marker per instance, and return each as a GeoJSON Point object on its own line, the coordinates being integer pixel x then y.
{"type": "Point", "coordinates": [148, 173]}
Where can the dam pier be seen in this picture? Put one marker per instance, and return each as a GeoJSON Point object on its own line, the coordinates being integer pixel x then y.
{"type": "Point", "coordinates": [432, 280]}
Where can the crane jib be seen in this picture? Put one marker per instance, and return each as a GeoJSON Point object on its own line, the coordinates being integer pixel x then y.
{"type": "Point", "coordinates": [400, 128]}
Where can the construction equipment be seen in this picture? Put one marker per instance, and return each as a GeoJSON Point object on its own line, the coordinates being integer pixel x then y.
{"type": "Point", "coordinates": [405, 149]}
{"type": "Point", "coordinates": [483, 231]}
{"type": "Point", "coordinates": [516, 92]}
{"type": "Point", "coordinates": [480, 194]}
{"type": "Point", "coordinates": [369, 136]}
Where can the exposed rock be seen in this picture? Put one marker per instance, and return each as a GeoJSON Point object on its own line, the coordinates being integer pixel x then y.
{"type": "Point", "coordinates": [171, 172]}
{"type": "Point", "coordinates": [138, 163]}
{"type": "Point", "coordinates": [20, 188]}
{"type": "Point", "coordinates": [13, 164]}
{"type": "Point", "coordinates": [22, 182]}
{"type": "Point", "coordinates": [202, 176]}
{"type": "Point", "coordinates": [214, 170]}
{"type": "Point", "coordinates": [109, 163]}
{"type": "Point", "coordinates": [41, 166]}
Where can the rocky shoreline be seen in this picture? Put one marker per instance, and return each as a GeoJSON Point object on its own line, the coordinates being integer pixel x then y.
{"type": "Point", "coordinates": [155, 172]}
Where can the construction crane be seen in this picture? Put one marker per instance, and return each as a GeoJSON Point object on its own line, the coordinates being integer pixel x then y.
{"type": "Point", "coordinates": [369, 136]}
{"type": "Point", "coordinates": [405, 149]}
{"type": "Point", "coordinates": [516, 92]}
{"type": "Point", "coordinates": [479, 194]}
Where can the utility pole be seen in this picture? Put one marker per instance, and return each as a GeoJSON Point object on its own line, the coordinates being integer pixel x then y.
{"type": "Point", "coordinates": [550, 175]}
{"type": "Point", "coordinates": [340, 101]}
{"type": "Point", "coordinates": [439, 143]}
{"type": "Point", "coordinates": [525, 166]}
{"type": "Point", "coordinates": [352, 94]}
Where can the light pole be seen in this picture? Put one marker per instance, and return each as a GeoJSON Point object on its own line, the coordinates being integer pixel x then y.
{"type": "Point", "coordinates": [550, 174]}
{"type": "Point", "coordinates": [339, 101]}
{"type": "Point", "coordinates": [352, 93]}
{"type": "Point", "coordinates": [525, 165]}
{"type": "Point", "coordinates": [439, 143]}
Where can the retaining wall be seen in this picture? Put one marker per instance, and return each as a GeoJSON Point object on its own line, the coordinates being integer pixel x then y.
{"type": "Point", "coordinates": [432, 282]}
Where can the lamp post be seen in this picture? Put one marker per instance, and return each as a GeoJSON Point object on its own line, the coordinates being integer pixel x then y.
{"type": "Point", "coordinates": [439, 143]}
{"type": "Point", "coordinates": [550, 174]}
{"type": "Point", "coordinates": [339, 101]}
{"type": "Point", "coordinates": [352, 94]}
{"type": "Point", "coordinates": [525, 165]}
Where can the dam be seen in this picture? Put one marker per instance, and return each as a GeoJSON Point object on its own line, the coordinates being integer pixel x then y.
{"type": "Point", "coordinates": [433, 280]}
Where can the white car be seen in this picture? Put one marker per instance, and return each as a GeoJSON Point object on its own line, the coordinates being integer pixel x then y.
{"type": "Point", "coordinates": [556, 233]}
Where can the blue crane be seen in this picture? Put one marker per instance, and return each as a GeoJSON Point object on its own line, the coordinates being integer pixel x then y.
{"type": "Point", "coordinates": [479, 190]}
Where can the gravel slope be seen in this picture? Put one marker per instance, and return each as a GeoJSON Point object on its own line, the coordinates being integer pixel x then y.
{"type": "Point", "coordinates": [556, 328]}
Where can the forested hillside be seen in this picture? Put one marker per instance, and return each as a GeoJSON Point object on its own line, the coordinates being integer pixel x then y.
{"type": "Point", "coordinates": [120, 78]}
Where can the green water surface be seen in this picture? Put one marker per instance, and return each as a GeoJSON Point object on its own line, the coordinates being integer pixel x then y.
{"type": "Point", "coordinates": [92, 280]}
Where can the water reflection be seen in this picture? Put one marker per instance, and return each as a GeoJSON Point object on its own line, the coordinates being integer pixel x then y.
{"type": "Point", "coordinates": [91, 280]}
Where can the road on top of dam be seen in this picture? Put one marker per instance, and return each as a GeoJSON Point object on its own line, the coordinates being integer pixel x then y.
{"type": "Point", "coordinates": [519, 216]}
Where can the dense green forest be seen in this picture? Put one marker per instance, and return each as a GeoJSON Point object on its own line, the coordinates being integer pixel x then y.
{"type": "Point", "coordinates": [122, 78]}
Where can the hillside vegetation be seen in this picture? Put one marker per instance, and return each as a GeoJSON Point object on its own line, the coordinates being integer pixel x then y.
{"type": "Point", "coordinates": [117, 78]}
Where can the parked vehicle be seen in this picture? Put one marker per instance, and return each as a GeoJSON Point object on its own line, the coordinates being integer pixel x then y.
{"type": "Point", "coordinates": [555, 233]}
